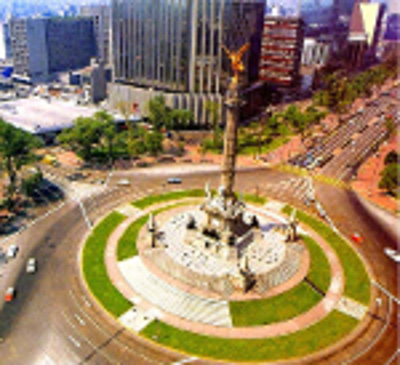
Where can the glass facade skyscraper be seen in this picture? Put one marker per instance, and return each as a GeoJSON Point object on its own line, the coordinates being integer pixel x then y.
{"type": "Point", "coordinates": [175, 45]}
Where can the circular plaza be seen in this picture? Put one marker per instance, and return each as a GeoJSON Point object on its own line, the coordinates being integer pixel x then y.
{"type": "Point", "coordinates": [281, 292]}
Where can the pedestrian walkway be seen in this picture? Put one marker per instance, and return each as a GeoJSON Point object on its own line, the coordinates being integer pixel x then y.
{"type": "Point", "coordinates": [351, 308]}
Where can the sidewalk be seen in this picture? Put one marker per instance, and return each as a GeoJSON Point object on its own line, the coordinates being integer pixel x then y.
{"type": "Point", "coordinates": [367, 180]}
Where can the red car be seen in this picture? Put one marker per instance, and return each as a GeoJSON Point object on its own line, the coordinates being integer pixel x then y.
{"type": "Point", "coordinates": [356, 237]}
{"type": "Point", "coordinates": [10, 294]}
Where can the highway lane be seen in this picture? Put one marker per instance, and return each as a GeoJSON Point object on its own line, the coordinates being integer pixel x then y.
{"type": "Point", "coordinates": [355, 123]}
{"type": "Point", "coordinates": [65, 324]}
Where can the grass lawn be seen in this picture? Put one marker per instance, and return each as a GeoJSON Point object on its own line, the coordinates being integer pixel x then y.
{"type": "Point", "coordinates": [127, 243]}
{"type": "Point", "coordinates": [254, 199]}
{"type": "Point", "coordinates": [265, 148]}
{"type": "Point", "coordinates": [357, 285]}
{"type": "Point", "coordinates": [94, 268]}
{"type": "Point", "coordinates": [320, 271]}
{"type": "Point", "coordinates": [275, 309]}
{"type": "Point", "coordinates": [316, 337]}
{"type": "Point", "coordinates": [174, 195]}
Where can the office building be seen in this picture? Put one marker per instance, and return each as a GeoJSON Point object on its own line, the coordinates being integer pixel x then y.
{"type": "Point", "coordinates": [364, 32]}
{"type": "Point", "coordinates": [175, 47]}
{"type": "Point", "coordinates": [282, 44]}
{"type": "Point", "coordinates": [42, 47]}
{"type": "Point", "coordinates": [28, 42]}
{"type": "Point", "coordinates": [5, 42]}
{"type": "Point", "coordinates": [315, 52]}
{"type": "Point", "coordinates": [102, 28]}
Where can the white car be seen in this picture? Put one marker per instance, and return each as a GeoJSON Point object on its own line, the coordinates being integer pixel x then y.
{"type": "Point", "coordinates": [124, 182]}
{"type": "Point", "coordinates": [12, 251]}
{"type": "Point", "coordinates": [31, 266]}
{"type": "Point", "coordinates": [393, 254]}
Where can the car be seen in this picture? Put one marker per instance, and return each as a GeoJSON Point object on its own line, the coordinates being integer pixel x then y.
{"type": "Point", "coordinates": [10, 294]}
{"type": "Point", "coordinates": [31, 265]}
{"type": "Point", "coordinates": [12, 251]}
{"type": "Point", "coordinates": [356, 237]}
{"type": "Point", "coordinates": [393, 254]}
{"type": "Point", "coordinates": [174, 180]}
{"type": "Point", "coordinates": [124, 182]}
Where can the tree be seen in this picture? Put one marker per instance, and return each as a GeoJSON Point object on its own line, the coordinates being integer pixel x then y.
{"type": "Point", "coordinates": [392, 157]}
{"type": "Point", "coordinates": [16, 149]}
{"type": "Point", "coordinates": [31, 183]}
{"type": "Point", "coordinates": [390, 125]}
{"type": "Point", "coordinates": [389, 178]}
{"type": "Point", "coordinates": [159, 112]}
{"type": "Point", "coordinates": [179, 119]}
{"type": "Point", "coordinates": [83, 136]}
{"type": "Point", "coordinates": [108, 130]}
{"type": "Point", "coordinates": [153, 141]}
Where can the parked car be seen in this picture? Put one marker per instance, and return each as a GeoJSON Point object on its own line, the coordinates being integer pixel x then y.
{"type": "Point", "coordinates": [393, 254]}
{"type": "Point", "coordinates": [31, 265]}
{"type": "Point", "coordinates": [10, 294]}
{"type": "Point", "coordinates": [174, 180]}
{"type": "Point", "coordinates": [12, 251]}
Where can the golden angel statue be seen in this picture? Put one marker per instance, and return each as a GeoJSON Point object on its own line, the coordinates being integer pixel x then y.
{"type": "Point", "coordinates": [236, 60]}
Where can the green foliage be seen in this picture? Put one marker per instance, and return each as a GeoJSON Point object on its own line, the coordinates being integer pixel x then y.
{"type": "Point", "coordinates": [159, 112]}
{"type": "Point", "coordinates": [83, 136]}
{"type": "Point", "coordinates": [174, 195]}
{"type": "Point", "coordinates": [16, 150]}
{"type": "Point", "coordinates": [162, 116]}
{"type": "Point", "coordinates": [180, 119]}
{"type": "Point", "coordinates": [153, 142]}
{"type": "Point", "coordinates": [278, 308]}
{"type": "Point", "coordinates": [357, 284]}
{"type": "Point", "coordinates": [390, 125]}
{"type": "Point", "coordinates": [390, 178]}
{"type": "Point", "coordinates": [108, 131]}
{"type": "Point", "coordinates": [339, 92]}
{"type": "Point", "coordinates": [296, 345]}
{"type": "Point", "coordinates": [31, 183]}
{"type": "Point", "coordinates": [392, 157]}
{"type": "Point", "coordinates": [95, 271]}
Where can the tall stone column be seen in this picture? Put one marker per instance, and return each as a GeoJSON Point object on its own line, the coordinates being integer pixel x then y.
{"type": "Point", "coordinates": [232, 103]}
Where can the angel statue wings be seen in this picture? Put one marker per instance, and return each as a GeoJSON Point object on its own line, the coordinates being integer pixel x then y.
{"type": "Point", "coordinates": [236, 60]}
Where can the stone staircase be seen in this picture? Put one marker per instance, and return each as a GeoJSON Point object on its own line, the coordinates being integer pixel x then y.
{"type": "Point", "coordinates": [174, 300]}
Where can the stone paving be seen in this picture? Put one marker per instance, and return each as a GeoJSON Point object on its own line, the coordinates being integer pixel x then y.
{"type": "Point", "coordinates": [351, 307]}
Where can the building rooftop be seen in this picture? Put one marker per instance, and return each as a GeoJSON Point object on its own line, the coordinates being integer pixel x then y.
{"type": "Point", "coordinates": [37, 115]}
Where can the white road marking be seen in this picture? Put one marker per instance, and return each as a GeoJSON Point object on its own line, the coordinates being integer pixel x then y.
{"type": "Point", "coordinates": [74, 341]}
{"type": "Point", "coordinates": [186, 361]}
{"type": "Point", "coordinates": [80, 320]}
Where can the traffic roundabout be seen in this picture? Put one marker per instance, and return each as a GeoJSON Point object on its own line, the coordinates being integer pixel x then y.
{"type": "Point", "coordinates": [308, 295]}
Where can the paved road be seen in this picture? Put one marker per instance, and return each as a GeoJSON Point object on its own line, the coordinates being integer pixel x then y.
{"type": "Point", "coordinates": [341, 139]}
{"type": "Point", "coordinates": [53, 320]}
